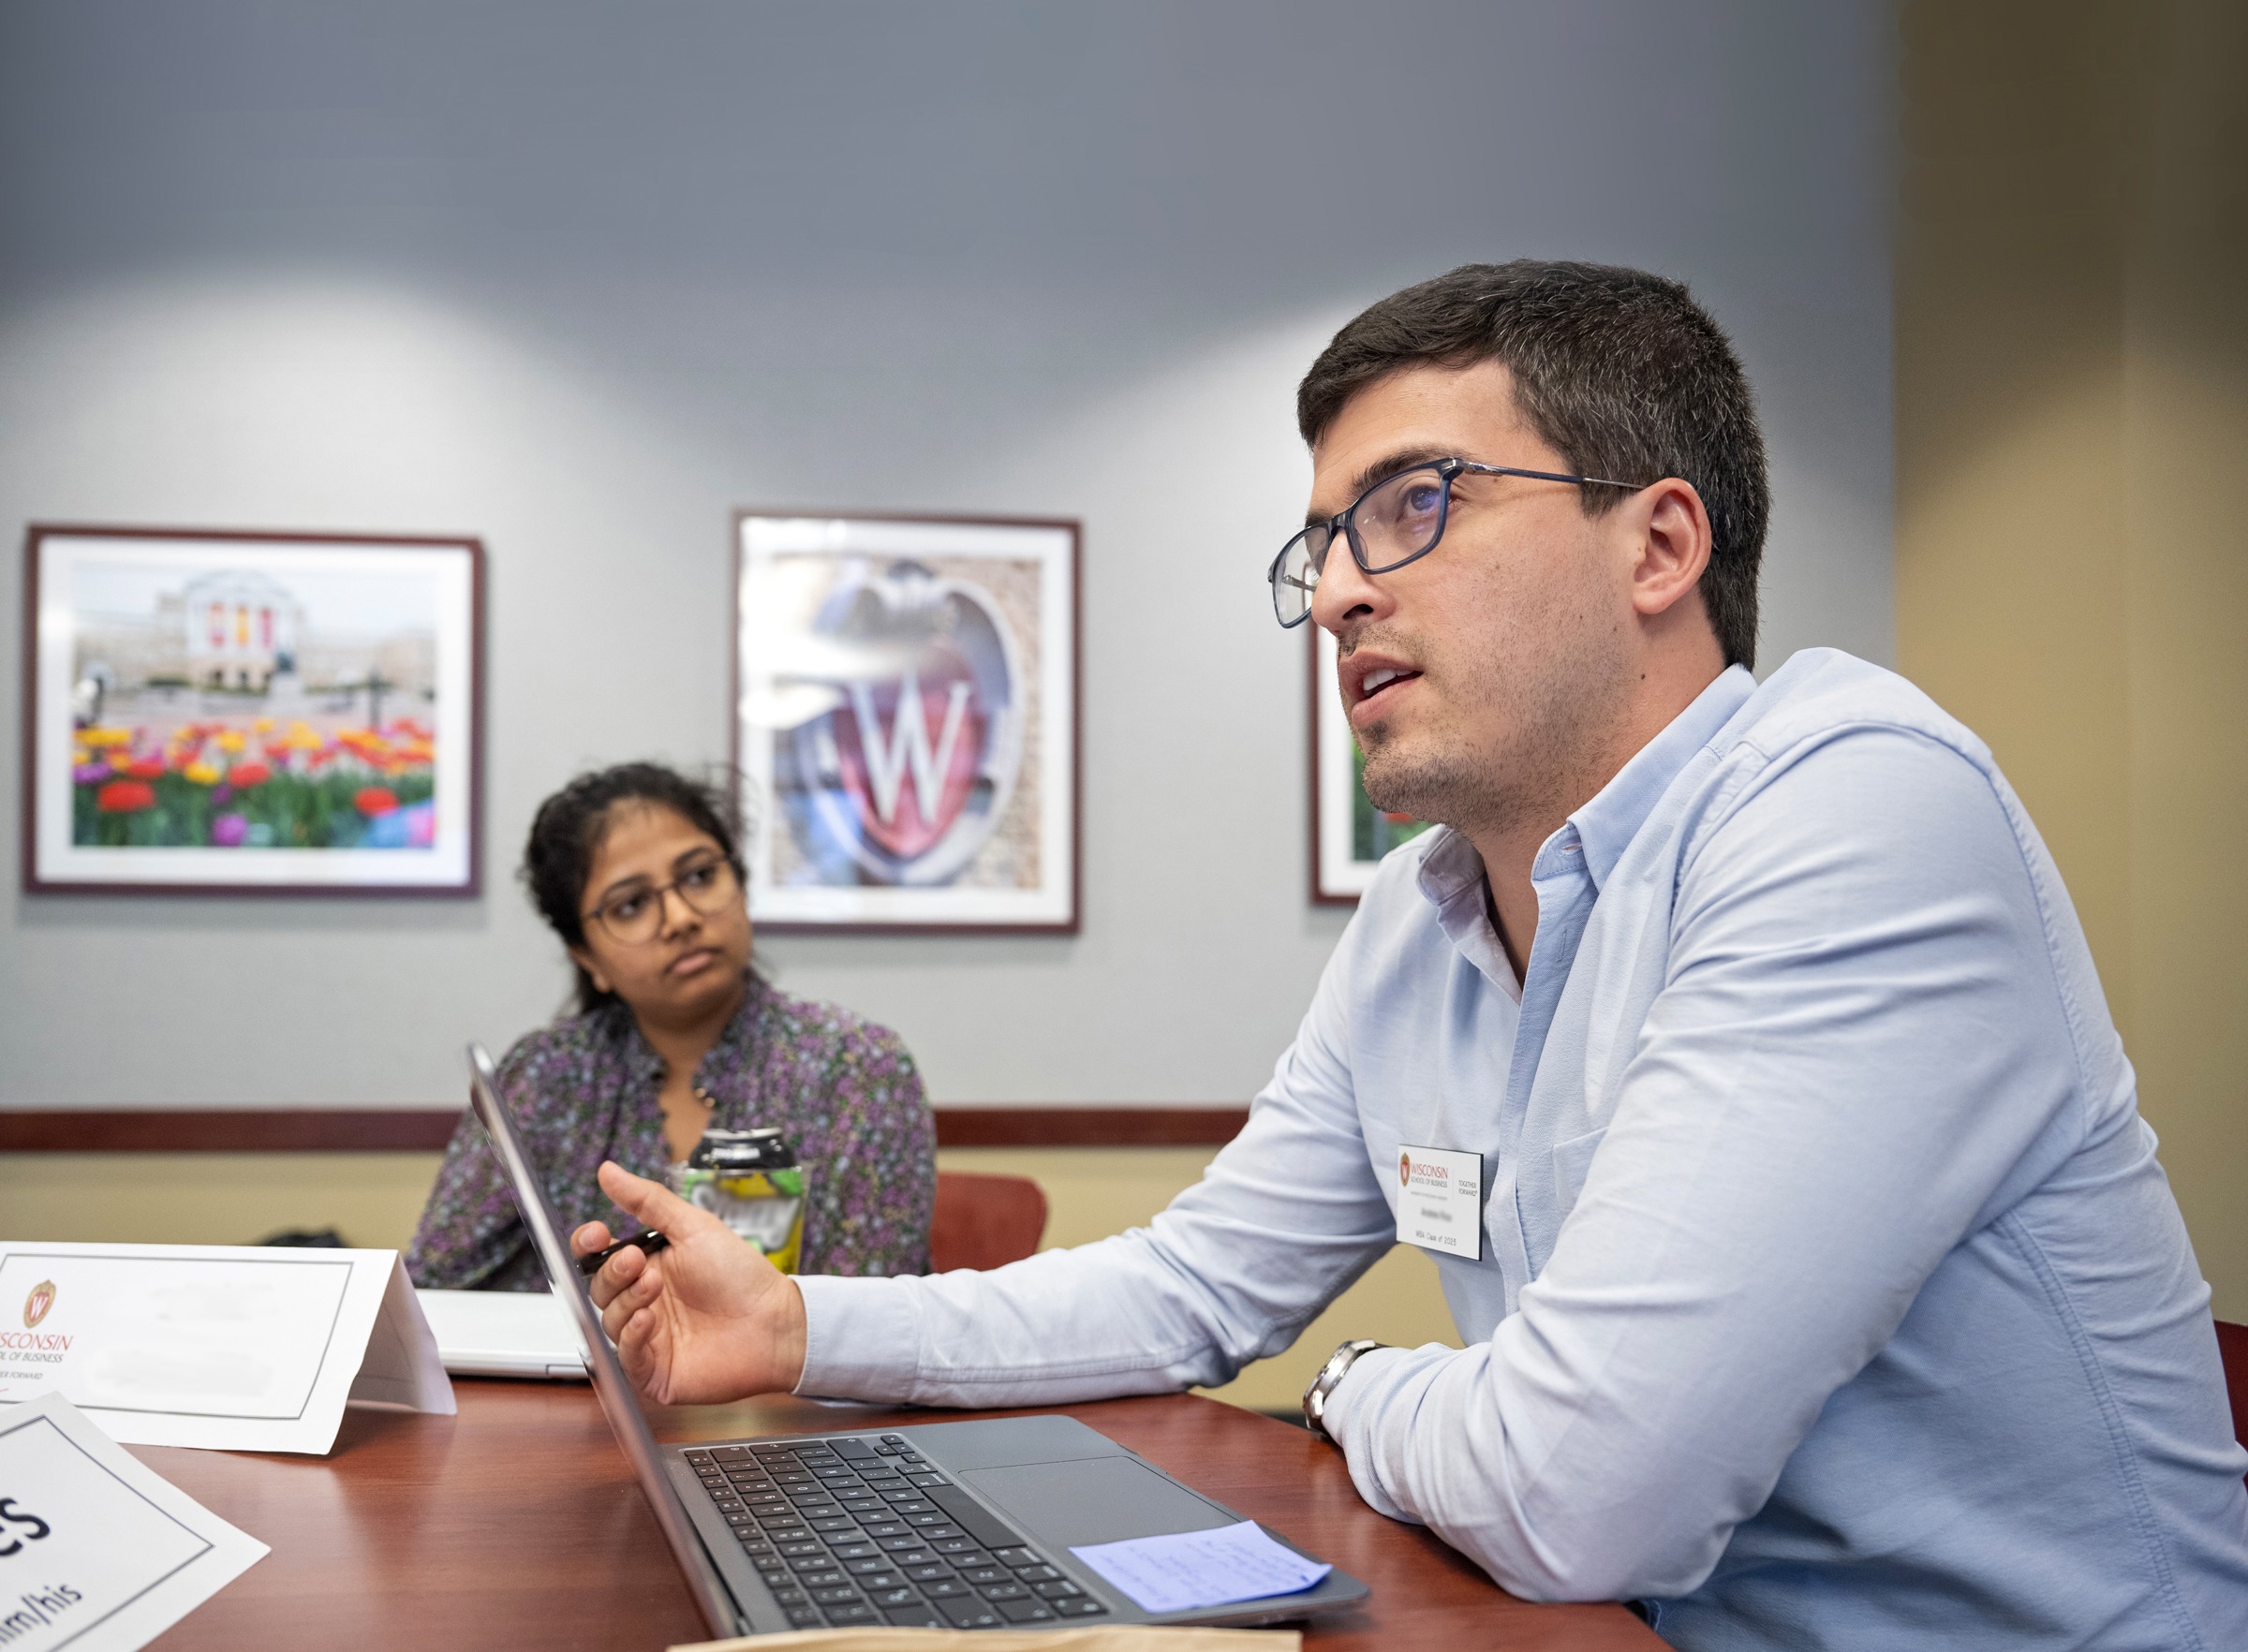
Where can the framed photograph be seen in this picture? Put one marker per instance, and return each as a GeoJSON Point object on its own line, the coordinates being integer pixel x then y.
{"type": "Point", "coordinates": [1349, 835]}
{"type": "Point", "coordinates": [216, 712]}
{"type": "Point", "coordinates": [906, 721]}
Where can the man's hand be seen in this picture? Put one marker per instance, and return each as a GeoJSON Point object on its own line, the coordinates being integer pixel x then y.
{"type": "Point", "coordinates": [707, 1320]}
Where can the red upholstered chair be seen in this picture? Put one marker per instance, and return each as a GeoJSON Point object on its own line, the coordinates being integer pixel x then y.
{"type": "Point", "coordinates": [2232, 1343]}
{"type": "Point", "coordinates": [984, 1221]}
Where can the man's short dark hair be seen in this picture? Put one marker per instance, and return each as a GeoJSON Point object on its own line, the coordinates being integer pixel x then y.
{"type": "Point", "coordinates": [1619, 371]}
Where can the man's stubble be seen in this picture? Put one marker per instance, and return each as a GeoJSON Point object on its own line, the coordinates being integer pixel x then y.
{"type": "Point", "coordinates": [1517, 739]}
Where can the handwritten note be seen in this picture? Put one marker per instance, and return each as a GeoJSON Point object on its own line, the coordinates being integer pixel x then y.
{"type": "Point", "coordinates": [1183, 1571]}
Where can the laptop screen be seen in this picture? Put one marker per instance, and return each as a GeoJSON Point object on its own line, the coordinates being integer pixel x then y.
{"type": "Point", "coordinates": [618, 1402]}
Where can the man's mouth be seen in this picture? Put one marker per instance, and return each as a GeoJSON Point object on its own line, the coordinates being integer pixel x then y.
{"type": "Point", "coordinates": [1379, 683]}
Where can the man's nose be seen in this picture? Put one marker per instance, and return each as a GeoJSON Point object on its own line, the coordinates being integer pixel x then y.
{"type": "Point", "coordinates": [1344, 594]}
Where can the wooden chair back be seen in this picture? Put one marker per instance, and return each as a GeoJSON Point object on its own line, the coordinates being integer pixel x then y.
{"type": "Point", "coordinates": [2232, 1344]}
{"type": "Point", "coordinates": [984, 1221]}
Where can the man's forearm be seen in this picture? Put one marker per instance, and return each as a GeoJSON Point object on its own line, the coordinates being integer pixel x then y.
{"type": "Point", "coordinates": [1288, 1215]}
{"type": "Point", "coordinates": [1087, 1323]}
{"type": "Point", "coordinates": [1229, 1272]}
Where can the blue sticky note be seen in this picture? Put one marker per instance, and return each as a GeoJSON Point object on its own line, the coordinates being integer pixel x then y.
{"type": "Point", "coordinates": [1183, 1571]}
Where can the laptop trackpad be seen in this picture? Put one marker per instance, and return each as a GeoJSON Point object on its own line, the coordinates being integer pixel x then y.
{"type": "Point", "coordinates": [1093, 1500]}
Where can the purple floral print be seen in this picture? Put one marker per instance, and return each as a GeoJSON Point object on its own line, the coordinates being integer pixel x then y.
{"type": "Point", "coordinates": [844, 1091]}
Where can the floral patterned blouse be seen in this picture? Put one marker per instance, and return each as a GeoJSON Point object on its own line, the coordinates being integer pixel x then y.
{"type": "Point", "coordinates": [844, 1091]}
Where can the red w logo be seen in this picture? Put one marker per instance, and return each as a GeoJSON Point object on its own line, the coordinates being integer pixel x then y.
{"type": "Point", "coordinates": [907, 784]}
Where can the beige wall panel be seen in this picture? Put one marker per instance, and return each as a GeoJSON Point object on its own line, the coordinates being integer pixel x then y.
{"type": "Point", "coordinates": [2186, 416]}
{"type": "Point", "coordinates": [373, 1199]}
{"type": "Point", "coordinates": [2189, 791]}
{"type": "Point", "coordinates": [2010, 522]}
{"type": "Point", "coordinates": [2072, 563]}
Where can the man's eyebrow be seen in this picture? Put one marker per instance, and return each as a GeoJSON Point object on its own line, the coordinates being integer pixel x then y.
{"type": "Point", "coordinates": [1383, 469]}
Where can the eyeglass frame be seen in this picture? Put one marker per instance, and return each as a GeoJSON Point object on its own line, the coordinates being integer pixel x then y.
{"type": "Point", "coordinates": [1449, 470]}
{"type": "Point", "coordinates": [600, 913]}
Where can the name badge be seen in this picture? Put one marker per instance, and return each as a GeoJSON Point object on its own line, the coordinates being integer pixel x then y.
{"type": "Point", "coordinates": [1440, 1200]}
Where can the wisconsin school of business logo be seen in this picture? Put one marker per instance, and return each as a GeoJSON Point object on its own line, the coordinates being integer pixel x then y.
{"type": "Point", "coordinates": [37, 1302]}
{"type": "Point", "coordinates": [1404, 1169]}
{"type": "Point", "coordinates": [905, 777]}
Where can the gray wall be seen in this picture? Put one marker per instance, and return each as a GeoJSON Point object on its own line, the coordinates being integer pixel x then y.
{"type": "Point", "coordinates": [582, 279]}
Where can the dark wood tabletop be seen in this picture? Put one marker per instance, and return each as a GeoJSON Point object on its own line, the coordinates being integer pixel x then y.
{"type": "Point", "coordinates": [517, 1524]}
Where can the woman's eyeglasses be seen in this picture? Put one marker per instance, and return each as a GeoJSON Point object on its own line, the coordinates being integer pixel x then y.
{"type": "Point", "coordinates": [635, 916]}
{"type": "Point", "coordinates": [1397, 521]}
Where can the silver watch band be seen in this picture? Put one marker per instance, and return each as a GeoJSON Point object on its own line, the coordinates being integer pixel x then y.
{"type": "Point", "coordinates": [1315, 1397]}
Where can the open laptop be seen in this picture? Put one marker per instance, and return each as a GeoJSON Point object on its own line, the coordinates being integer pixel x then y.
{"type": "Point", "coordinates": [948, 1525]}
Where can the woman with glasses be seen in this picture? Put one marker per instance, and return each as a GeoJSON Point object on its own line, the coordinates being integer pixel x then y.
{"type": "Point", "coordinates": [637, 870]}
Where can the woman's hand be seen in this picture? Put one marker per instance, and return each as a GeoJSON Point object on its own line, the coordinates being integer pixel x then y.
{"type": "Point", "coordinates": [705, 1321]}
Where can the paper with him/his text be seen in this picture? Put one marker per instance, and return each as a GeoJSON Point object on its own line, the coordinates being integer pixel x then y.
{"type": "Point", "coordinates": [231, 1347]}
{"type": "Point", "coordinates": [98, 1553]}
{"type": "Point", "coordinates": [1185, 1571]}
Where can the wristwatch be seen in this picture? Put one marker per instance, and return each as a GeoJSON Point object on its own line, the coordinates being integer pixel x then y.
{"type": "Point", "coordinates": [1315, 1396]}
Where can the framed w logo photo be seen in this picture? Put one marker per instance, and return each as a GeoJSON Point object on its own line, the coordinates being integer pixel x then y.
{"type": "Point", "coordinates": [906, 721]}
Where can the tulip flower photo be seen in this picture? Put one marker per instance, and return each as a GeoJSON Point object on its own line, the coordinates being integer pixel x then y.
{"type": "Point", "coordinates": [252, 712]}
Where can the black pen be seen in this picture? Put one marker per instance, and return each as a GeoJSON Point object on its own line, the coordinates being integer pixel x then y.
{"type": "Point", "coordinates": [649, 1241]}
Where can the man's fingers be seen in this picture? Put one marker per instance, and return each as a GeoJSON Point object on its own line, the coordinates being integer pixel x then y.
{"type": "Point", "coordinates": [593, 1236]}
{"type": "Point", "coordinates": [617, 1272]}
{"type": "Point", "coordinates": [619, 1307]}
{"type": "Point", "coordinates": [631, 1339]}
{"type": "Point", "coordinates": [655, 1205]}
{"type": "Point", "coordinates": [629, 1298]}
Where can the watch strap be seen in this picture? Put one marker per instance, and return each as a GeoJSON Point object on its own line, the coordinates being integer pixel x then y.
{"type": "Point", "coordinates": [1330, 1375]}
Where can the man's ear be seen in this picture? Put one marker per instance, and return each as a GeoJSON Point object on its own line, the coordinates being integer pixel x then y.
{"type": "Point", "coordinates": [583, 960]}
{"type": "Point", "coordinates": [1674, 540]}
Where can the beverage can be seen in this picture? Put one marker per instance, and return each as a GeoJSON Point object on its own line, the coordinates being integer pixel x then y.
{"type": "Point", "coordinates": [750, 1181]}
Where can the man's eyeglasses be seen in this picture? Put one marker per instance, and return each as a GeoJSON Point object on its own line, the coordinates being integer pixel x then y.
{"type": "Point", "coordinates": [635, 916]}
{"type": "Point", "coordinates": [1397, 521]}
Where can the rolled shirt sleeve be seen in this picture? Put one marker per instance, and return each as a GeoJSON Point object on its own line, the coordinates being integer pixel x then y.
{"type": "Point", "coordinates": [1288, 1215]}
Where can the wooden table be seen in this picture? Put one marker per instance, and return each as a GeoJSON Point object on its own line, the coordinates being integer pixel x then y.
{"type": "Point", "coordinates": [516, 1524]}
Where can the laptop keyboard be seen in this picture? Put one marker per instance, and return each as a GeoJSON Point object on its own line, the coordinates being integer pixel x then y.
{"type": "Point", "coordinates": [862, 1529]}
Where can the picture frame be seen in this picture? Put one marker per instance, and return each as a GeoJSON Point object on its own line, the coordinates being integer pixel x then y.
{"type": "Point", "coordinates": [842, 618]}
{"type": "Point", "coordinates": [1349, 835]}
{"type": "Point", "coordinates": [225, 712]}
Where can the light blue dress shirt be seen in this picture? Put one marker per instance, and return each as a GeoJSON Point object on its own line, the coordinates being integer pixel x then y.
{"type": "Point", "coordinates": [1831, 1293]}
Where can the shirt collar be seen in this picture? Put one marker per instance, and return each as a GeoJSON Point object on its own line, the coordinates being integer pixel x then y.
{"type": "Point", "coordinates": [1605, 826]}
{"type": "Point", "coordinates": [1451, 879]}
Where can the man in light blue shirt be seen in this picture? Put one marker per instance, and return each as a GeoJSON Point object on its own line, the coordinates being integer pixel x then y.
{"type": "Point", "coordinates": [1820, 1284]}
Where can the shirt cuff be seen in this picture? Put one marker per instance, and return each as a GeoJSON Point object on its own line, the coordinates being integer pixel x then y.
{"type": "Point", "coordinates": [1352, 1418]}
{"type": "Point", "coordinates": [862, 1337]}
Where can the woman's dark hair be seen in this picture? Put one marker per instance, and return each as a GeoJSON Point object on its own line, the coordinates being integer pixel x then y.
{"type": "Point", "coordinates": [567, 831]}
{"type": "Point", "coordinates": [1620, 372]}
